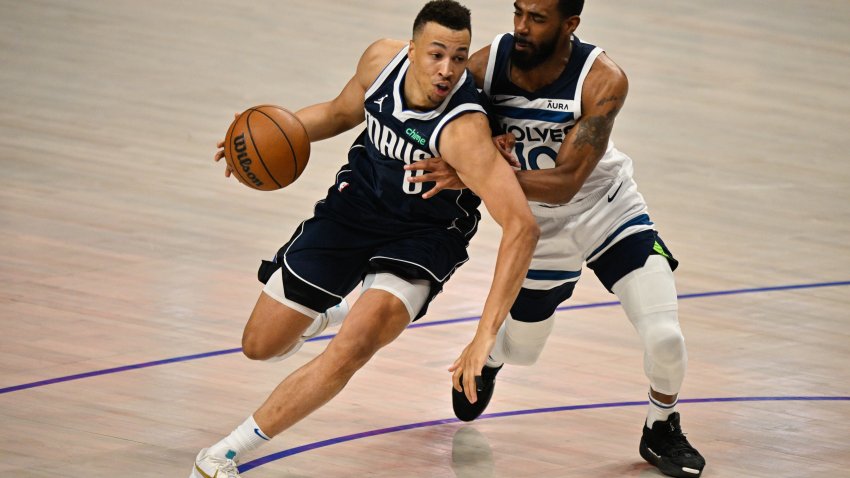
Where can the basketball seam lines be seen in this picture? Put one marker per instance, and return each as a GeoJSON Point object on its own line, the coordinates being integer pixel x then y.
{"type": "Point", "coordinates": [230, 147]}
{"type": "Point", "coordinates": [295, 173]}
{"type": "Point", "coordinates": [259, 156]}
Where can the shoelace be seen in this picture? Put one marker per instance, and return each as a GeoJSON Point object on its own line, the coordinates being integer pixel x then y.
{"type": "Point", "coordinates": [228, 467]}
{"type": "Point", "coordinates": [677, 444]}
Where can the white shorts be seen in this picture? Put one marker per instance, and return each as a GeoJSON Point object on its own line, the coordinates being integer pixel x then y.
{"type": "Point", "coordinates": [567, 242]}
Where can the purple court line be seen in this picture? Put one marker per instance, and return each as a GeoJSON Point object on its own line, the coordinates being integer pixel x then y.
{"type": "Point", "coordinates": [412, 426]}
{"type": "Point", "coordinates": [186, 358]}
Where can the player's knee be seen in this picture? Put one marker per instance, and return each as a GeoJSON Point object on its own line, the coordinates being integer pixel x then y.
{"type": "Point", "coordinates": [524, 357]}
{"type": "Point", "coordinates": [253, 348]}
{"type": "Point", "coordinates": [666, 345]}
{"type": "Point", "coordinates": [257, 347]}
{"type": "Point", "coordinates": [521, 343]}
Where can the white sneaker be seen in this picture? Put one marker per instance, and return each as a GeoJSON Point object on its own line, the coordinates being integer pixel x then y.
{"type": "Point", "coordinates": [329, 318]}
{"type": "Point", "coordinates": [208, 466]}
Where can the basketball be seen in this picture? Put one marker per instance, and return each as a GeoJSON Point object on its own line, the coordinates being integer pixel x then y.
{"type": "Point", "coordinates": [266, 147]}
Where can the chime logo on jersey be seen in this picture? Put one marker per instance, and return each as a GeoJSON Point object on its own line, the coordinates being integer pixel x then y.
{"type": "Point", "coordinates": [392, 145]}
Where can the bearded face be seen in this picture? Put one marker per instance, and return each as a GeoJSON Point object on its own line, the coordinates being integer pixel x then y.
{"type": "Point", "coordinates": [529, 52]}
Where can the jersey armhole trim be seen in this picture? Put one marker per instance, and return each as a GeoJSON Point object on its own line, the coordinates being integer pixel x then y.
{"type": "Point", "coordinates": [386, 72]}
{"type": "Point", "coordinates": [588, 63]}
{"type": "Point", "coordinates": [491, 63]}
{"type": "Point", "coordinates": [453, 114]}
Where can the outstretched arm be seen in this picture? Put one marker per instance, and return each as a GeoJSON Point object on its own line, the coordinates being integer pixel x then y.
{"type": "Point", "coordinates": [604, 93]}
{"type": "Point", "coordinates": [466, 145]}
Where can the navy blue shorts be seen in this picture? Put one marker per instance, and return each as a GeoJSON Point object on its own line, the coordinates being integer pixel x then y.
{"type": "Point", "coordinates": [327, 257]}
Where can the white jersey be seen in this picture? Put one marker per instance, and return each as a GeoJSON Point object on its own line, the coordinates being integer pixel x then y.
{"type": "Point", "coordinates": [540, 120]}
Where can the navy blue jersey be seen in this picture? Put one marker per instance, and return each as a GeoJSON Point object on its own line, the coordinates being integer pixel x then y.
{"type": "Point", "coordinates": [374, 181]}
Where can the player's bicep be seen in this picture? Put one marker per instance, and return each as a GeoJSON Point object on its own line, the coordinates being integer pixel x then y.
{"type": "Point", "coordinates": [603, 96]}
{"type": "Point", "coordinates": [466, 145]}
{"type": "Point", "coordinates": [348, 106]}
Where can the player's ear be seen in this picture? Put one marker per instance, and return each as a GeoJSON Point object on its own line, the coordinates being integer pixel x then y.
{"type": "Point", "coordinates": [410, 50]}
{"type": "Point", "coordinates": [571, 23]}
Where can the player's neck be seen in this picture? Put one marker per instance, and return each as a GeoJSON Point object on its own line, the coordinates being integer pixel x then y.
{"type": "Point", "coordinates": [414, 98]}
{"type": "Point", "coordinates": [545, 73]}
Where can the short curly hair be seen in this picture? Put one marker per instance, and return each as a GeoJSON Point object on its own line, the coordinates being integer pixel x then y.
{"type": "Point", "coordinates": [569, 8]}
{"type": "Point", "coordinates": [447, 13]}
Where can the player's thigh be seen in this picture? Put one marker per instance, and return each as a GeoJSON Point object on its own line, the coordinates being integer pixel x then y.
{"type": "Point", "coordinates": [376, 319]}
{"type": "Point", "coordinates": [431, 256]}
{"type": "Point", "coordinates": [324, 261]}
{"type": "Point", "coordinates": [629, 254]}
{"type": "Point", "coordinates": [272, 323]}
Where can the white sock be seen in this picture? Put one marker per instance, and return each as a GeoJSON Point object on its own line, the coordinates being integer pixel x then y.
{"type": "Point", "coordinates": [244, 438]}
{"type": "Point", "coordinates": [659, 412]}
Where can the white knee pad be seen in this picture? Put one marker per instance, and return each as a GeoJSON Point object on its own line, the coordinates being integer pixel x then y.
{"type": "Point", "coordinates": [412, 293]}
{"type": "Point", "coordinates": [520, 343]}
{"type": "Point", "coordinates": [649, 298]}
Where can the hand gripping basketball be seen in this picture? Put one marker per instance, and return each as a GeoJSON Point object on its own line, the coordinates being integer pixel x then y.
{"type": "Point", "coordinates": [266, 147]}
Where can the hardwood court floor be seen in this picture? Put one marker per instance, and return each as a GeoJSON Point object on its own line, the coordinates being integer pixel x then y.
{"type": "Point", "coordinates": [124, 246]}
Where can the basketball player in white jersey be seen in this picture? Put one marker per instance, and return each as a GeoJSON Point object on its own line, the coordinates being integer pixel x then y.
{"type": "Point", "coordinates": [558, 97]}
{"type": "Point", "coordinates": [418, 102]}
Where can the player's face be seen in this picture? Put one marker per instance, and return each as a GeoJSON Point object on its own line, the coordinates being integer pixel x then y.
{"type": "Point", "coordinates": [538, 30]}
{"type": "Point", "coordinates": [438, 58]}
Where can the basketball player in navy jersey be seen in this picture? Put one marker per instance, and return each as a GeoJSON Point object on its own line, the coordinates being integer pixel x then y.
{"type": "Point", "coordinates": [557, 97]}
{"type": "Point", "coordinates": [418, 102]}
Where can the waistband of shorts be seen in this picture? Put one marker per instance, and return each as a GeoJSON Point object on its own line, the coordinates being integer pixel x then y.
{"type": "Point", "coordinates": [572, 208]}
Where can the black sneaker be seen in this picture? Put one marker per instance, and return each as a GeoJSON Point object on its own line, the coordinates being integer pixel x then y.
{"type": "Point", "coordinates": [666, 447]}
{"type": "Point", "coordinates": [470, 411]}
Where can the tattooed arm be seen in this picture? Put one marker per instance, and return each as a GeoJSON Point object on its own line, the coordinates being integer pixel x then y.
{"type": "Point", "coordinates": [603, 95]}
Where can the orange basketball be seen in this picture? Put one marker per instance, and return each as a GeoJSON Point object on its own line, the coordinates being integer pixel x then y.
{"type": "Point", "coordinates": [267, 147]}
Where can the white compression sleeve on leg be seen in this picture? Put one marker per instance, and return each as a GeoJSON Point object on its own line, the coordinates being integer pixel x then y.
{"type": "Point", "coordinates": [649, 298]}
{"type": "Point", "coordinates": [412, 293]}
{"type": "Point", "coordinates": [520, 343]}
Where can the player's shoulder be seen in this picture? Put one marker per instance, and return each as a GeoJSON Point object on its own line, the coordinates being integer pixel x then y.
{"type": "Point", "coordinates": [605, 71]}
{"type": "Point", "coordinates": [478, 65]}
{"type": "Point", "coordinates": [606, 83]}
{"type": "Point", "coordinates": [385, 48]}
{"type": "Point", "coordinates": [377, 56]}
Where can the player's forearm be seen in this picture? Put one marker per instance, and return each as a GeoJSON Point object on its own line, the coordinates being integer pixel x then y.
{"type": "Point", "coordinates": [519, 238]}
{"type": "Point", "coordinates": [324, 120]}
{"type": "Point", "coordinates": [549, 185]}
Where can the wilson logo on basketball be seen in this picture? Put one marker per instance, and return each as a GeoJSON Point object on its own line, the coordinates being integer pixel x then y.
{"type": "Point", "coordinates": [244, 161]}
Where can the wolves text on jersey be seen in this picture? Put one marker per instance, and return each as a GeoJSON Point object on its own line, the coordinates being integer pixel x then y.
{"type": "Point", "coordinates": [525, 133]}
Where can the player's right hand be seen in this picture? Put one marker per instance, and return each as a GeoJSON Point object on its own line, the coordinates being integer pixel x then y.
{"type": "Point", "coordinates": [220, 153]}
{"type": "Point", "coordinates": [436, 171]}
{"type": "Point", "coordinates": [469, 364]}
{"type": "Point", "coordinates": [505, 144]}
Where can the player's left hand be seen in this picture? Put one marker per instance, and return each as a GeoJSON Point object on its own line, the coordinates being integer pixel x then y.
{"type": "Point", "coordinates": [469, 365]}
{"type": "Point", "coordinates": [437, 171]}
